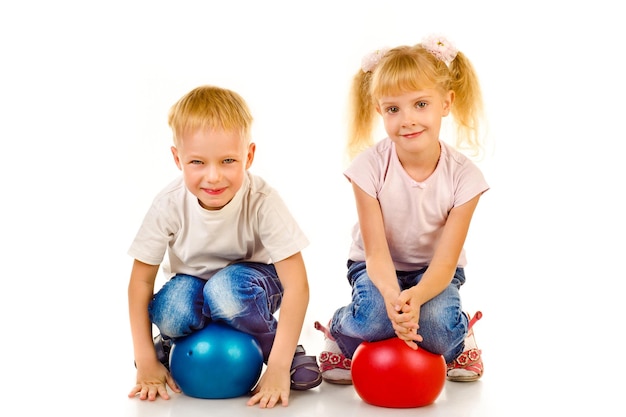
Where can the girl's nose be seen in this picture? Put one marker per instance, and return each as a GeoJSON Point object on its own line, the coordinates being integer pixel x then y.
{"type": "Point", "coordinates": [410, 121]}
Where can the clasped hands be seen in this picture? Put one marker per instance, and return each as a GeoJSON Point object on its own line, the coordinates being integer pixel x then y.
{"type": "Point", "coordinates": [404, 312]}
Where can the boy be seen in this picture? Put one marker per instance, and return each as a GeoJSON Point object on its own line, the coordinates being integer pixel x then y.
{"type": "Point", "coordinates": [234, 253]}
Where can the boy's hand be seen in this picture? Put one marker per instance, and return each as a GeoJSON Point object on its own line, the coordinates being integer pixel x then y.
{"type": "Point", "coordinates": [152, 382]}
{"type": "Point", "coordinates": [274, 386]}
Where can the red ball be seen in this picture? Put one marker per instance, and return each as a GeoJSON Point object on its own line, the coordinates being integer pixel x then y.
{"type": "Point", "coordinates": [390, 374]}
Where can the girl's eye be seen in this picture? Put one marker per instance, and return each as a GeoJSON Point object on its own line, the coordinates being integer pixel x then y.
{"type": "Point", "coordinates": [392, 109]}
{"type": "Point", "coordinates": [420, 104]}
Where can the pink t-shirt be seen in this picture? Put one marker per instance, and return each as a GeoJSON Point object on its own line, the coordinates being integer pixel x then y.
{"type": "Point", "coordinates": [414, 212]}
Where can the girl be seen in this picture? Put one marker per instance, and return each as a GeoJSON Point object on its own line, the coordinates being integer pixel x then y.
{"type": "Point", "coordinates": [415, 196]}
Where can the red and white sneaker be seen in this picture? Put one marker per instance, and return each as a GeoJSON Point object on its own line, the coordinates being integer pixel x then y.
{"type": "Point", "coordinates": [468, 366]}
{"type": "Point", "coordinates": [335, 367]}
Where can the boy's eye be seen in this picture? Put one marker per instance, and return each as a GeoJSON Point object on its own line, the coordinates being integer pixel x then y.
{"type": "Point", "coordinates": [228, 160]}
{"type": "Point", "coordinates": [195, 162]}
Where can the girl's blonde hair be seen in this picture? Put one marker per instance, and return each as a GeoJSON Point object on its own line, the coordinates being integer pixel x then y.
{"type": "Point", "coordinates": [210, 107]}
{"type": "Point", "coordinates": [412, 68]}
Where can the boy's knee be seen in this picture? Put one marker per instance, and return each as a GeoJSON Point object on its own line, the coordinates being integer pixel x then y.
{"type": "Point", "coordinates": [221, 303]}
{"type": "Point", "coordinates": [176, 320]}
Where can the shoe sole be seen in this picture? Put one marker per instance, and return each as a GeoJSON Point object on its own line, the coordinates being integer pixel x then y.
{"type": "Point", "coordinates": [464, 378]}
{"type": "Point", "coordinates": [306, 386]}
{"type": "Point", "coordinates": [338, 381]}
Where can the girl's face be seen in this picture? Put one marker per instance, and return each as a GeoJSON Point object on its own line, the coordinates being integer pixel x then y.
{"type": "Point", "coordinates": [214, 163]}
{"type": "Point", "coordinates": [413, 120]}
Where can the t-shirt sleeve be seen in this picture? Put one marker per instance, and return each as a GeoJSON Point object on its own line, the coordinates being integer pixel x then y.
{"type": "Point", "coordinates": [279, 232]}
{"type": "Point", "coordinates": [470, 183]}
{"type": "Point", "coordinates": [364, 172]}
{"type": "Point", "coordinates": [152, 239]}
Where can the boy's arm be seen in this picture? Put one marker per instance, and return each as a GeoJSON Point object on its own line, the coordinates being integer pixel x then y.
{"type": "Point", "coordinates": [152, 376]}
{"type": "Point", "coordinates": [274, 385]}
{"type": "Point", "coordinates": [140, 292]}
{"type": "Point", "coordinates": [292, 274]}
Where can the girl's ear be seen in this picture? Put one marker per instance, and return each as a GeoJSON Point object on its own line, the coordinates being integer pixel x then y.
{"type": "Point", "coordinates": [448, 99]}
{"type": "Point", "coordinates": [176, 158]}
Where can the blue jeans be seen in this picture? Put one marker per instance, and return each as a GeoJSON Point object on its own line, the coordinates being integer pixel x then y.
{"type": "Point", "coordinates": [443, 325]}
{"type": "Point", "coordinates": [244, 295]}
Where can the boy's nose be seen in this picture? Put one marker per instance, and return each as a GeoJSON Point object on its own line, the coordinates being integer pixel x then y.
{"type": "Point", "coordinates": [212, 173]}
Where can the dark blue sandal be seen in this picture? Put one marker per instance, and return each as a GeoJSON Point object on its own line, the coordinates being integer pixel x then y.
{"type": "Point", "coordinates": [305, 372]}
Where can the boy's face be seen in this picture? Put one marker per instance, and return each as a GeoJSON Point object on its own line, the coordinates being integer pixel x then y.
{"type": "Point", "coordinates": [214, 163]}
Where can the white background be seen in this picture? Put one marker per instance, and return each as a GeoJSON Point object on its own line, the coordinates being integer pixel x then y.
{"type": "Point", "coordinates": [85, 88]}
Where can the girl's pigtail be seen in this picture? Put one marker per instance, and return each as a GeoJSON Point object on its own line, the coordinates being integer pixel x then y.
{"type": "Point", "coordinates": [468, 104]}
{"type": "Point", "coordinates": [362, 114]}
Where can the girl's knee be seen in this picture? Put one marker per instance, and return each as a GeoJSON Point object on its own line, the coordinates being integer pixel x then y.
{"type": "Point", "coordinates": [441, 336]}
{"type": "Point", "coordinates": [366, 321]}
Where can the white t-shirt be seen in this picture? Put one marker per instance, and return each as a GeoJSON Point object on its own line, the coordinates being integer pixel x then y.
{"type": "Point", "coordinates": [414, 213]}
{"type": "Point", "coordinates": [254, 226]}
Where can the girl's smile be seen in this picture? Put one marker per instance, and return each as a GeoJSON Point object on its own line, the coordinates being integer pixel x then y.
{"type": "Point", "coordinates": [412, 135]}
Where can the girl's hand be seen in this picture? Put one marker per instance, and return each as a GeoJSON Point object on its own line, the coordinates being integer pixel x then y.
{"type": "Point", "coordinates": [406, 318]}
{"type": "Point", "coordinates": [399, 313]}
{"type": "Point", "coordinates": [391, 300]}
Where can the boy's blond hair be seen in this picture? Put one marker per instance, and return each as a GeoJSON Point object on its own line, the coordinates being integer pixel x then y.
{"type": "Point", "coordinates": [210, 107]}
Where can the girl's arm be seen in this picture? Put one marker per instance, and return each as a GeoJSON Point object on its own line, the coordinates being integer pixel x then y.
{"type": "Point", "coordinates": [274, 385]}
{"type": "Point", "coordinates": [439, 272]}
{"type": "Point", "coordinates": [380, 267]}
{"type": "Point", "coordinates": [446, 257]}
{"type": "Point", "coordinates": [403, 308]}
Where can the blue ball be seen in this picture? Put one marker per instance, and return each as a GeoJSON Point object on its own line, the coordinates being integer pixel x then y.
{"type": "Point", "coordinates": [216, 362]}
